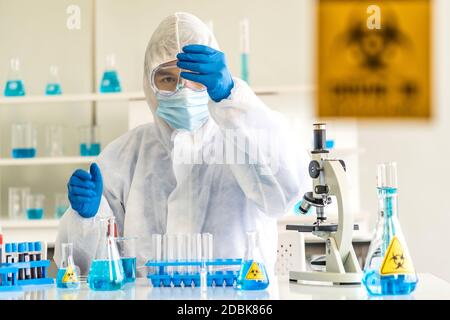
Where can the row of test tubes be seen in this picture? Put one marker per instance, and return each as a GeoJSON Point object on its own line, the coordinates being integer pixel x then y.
{"type": "Point", "coordinates": [25, 252]}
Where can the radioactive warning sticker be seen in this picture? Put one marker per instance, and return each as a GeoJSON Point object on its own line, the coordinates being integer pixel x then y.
{"type": "Point", "coordinates": [69, 276]}
{"type": "Point", "coordinates": [254, 272]}
{"type": "Point", "coordinates": [396, 260]}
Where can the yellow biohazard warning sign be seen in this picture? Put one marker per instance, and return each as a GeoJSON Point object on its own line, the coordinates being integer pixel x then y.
{"type": "Point", "coordinates": [396, 260]}
{"type": "Point", "coordinates": [69, 276]}
{"type": "Point", "coordinates": [254, 272]}
{"type": "Point", "coordinates": [373, 59]}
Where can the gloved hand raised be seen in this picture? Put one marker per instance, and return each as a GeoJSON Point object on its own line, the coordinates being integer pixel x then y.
{"type": "Point", "coordinates": [208, 67]}
{"type": "Point", "coordinates": [85, 191]}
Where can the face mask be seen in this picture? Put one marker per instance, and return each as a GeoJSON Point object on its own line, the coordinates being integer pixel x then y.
{"type": "Point", "coordinates": [186, 109]}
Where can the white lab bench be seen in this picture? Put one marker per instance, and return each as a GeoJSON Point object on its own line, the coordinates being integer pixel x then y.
{"type": "Point", "coordinates": [429, 287]}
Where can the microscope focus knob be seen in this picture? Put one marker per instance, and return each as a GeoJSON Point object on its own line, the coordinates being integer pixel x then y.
{"type": "Point", "coordinates": [314, 169]}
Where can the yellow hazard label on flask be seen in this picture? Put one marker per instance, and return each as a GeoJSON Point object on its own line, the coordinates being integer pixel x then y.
{"type": "Point", "coordinates": [70, 275]}
{"type": "Point", "coordinates": [254, 272]}
{"type": "Point", "coordinates": [396, 260]}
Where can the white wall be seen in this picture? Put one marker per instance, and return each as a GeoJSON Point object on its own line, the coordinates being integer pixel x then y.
{"type": "Point", "coordinates": [421, 151]}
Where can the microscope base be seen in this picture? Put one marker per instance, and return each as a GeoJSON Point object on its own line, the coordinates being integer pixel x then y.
{"type": "Point", "coordinates": [349, 278]}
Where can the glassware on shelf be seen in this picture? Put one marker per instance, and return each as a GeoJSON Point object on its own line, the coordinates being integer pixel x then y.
{"type": "Point", "coordinates": [61, 204]}
{"type": "Point", "coordinates": [53, 86]}
{"type": "Point", "coordinates": [54, 144]}
{"type": "Point", "coordinates": [389, 268]}
{"type": "Point", "coordinates": [127, 251]}
{"type": "Point", "coordinates": [17, 202]}
{"type": "Point", "coordinates": [106, 271]}
{"type": "Point", "coordinates": [35, 206]}
{"type": "Point", "coordinates": [14, 85]}
{"type": "Point", "coordinates": [68, 276]}
{"type": "Point", "coordinates": [90, 144]}
{"type": "Point", "coordinates": [23, 140]}
{"type": "Point", "coordinates": [110, 80]}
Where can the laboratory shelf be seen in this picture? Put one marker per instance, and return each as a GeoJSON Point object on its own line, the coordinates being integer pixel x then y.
{"type": "Point", "coordinates": [38, 161]}
{"type": "Point", "coordinates": [25, 224]}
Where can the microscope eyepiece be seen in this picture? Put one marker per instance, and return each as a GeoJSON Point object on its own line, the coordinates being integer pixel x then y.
{"type": "Point", "coordinates": [320, 136]}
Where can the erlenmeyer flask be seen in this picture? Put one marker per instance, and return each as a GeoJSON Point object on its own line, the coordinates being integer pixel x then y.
{"type": "Point", "coordinates": [53, 84]}
{"type": "Point", "coordinates": [106, 272]}
{"type": "Point", "coordinates": [110, 80]}
{"type": "Point", "coordinates": [68, 276]}
{"type": "Point", "coordinates": [252, 275]}
{"type": "Point", "coordinates": [14, 85]}
{"type": "Point", "coordinates": [389, 268]}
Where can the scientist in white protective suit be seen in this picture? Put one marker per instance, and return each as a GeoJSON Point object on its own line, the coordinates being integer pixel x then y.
{"type": "Point", "coordinates": [216, 159]}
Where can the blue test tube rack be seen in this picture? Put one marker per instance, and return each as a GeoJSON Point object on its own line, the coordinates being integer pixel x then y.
{"type": "Point", "coordinates": [162, 278]}
{"type": "Point", "coordinates": [11, 270]}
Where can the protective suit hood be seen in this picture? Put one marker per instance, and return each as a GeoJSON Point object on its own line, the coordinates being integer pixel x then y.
{"type": "Point", "coordinates": [172, 34]}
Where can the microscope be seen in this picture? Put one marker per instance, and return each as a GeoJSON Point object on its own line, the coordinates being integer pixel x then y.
{"type": "Point", "coordinates": [341, 263]}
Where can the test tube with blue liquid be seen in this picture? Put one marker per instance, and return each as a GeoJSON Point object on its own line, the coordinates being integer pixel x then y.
{"type": "Point", "coordinates": [14, 85]}
{"type": "Point", "coordinates": [127, 251]}
{"type": "Point", "coordinates": [53, 86]}
{"type": "Point", "coordinates": [245, 49]}
{"type": "Point", "coordinates": [90, 141]}
{"type": "Point", "coordinates": [110, 80]}
{"type": "Point", "coordinates": [23, 140]}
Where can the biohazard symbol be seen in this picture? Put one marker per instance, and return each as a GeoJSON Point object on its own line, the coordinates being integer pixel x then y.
{"type": "Point", "coordinates": [396, 260]}
{"type": "Point", "coordinates": [254, 273]}
{"type": "Point", "coordinates": [69, 276]}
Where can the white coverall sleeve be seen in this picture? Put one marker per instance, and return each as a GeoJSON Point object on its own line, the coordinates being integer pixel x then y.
{"type": "Point", "coordinates": [269, 166]}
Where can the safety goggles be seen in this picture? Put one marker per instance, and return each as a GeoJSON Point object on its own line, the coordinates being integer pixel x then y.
{"type": "Point", "coordinates": [166, 80]}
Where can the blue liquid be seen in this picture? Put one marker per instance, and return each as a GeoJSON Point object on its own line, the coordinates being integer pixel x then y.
{"type": "Point", "coordinates": [35, 214]}
{"type": "Point", "coordinates": [14, 88]}
{"type": "Point", "coordinates": [244, 284]}
{"type": "Point", "coordinates": [129, 269]}
{"type": "Point", "coordinates": [94, 149]}
{"type": "Point", "coordinates": [104, 275]}
{"type": "Point", "coordinates": [65, 285]}
{"type": "Point", "coordinates": [53, 89]}
{"type": "Point", "coordinates": [389, 285]}
{"type": "Point", "coordinates": [244, 67]}
{"type": "Point", "coordinates": [110, 82]}
{"type": "Point", "coordinates": [60, 211]}
{"type": "Point", "coordinates": [24, 153]}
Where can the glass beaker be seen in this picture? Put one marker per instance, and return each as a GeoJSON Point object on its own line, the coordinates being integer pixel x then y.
{"type": "Point", "coordinates": [110, 80]}
{"type": "Point", "coordinates": [54, 145]}
{"type": "Point", "coordinates": [127, 251]}
{"type": "Point", "coordinates": [23, 140]}
{"type": "Point", "coordinates": [14, 85]}
{"type": "Point", "coordinates": [90, 141]}
{"type": "Point", "coordinates": [35, 206]}
{"type": "Point", "coordinates": [68, 276]}
{"type": "Point", "coordinates": [253, 274]}
{"type": "Point", "coordinates": [389, 268]}
{"type": "Point", "coordinates": [17, 202]}
{"type": "Point", "coordinates": [106, 272]}
{"type": "Point", "coordinates": [61, 204]}
{"type": "Point", "coordinates": [53, 86]}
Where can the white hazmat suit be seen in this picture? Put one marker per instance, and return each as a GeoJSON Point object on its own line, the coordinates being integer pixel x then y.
{"type": "Point", "coordinates": [149, 192]}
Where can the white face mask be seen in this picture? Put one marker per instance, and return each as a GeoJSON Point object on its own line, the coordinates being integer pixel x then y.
{"type": "Point", "coordinates": [186, 109]}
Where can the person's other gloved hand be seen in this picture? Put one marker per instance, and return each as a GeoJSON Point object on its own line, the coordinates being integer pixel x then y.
{"type": "Point", "coordinates": [209, 67]}
{"type": "Point", "coordinates": [85, 191]}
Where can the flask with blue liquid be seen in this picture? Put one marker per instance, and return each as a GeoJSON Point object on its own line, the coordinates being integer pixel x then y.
{"type": "Point", "coordinates": [106, 272]}
{"type": "Point", "coordinates": [53, 86]}
{"type": "Point", "coordinates": [253, 274]}
{"type": "Point", "coordinates": [389, 268]}
{"type": "Point", "coordinates": [110, 80]}
{"type": "Point", "coordinates": [14, 85]}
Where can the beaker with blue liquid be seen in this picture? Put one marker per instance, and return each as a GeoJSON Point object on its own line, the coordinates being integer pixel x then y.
{"type": "Point", "coordinates": [23, 140]}
{"type": "Point", "coordinates": [253, 274]}
{"type": "Point", "coordinates": [106, 272]}
{"type": "Point", "coordinates": [127, 251]}
{"type": "Point", "coordinates": [35, 206]}
{"type": "Point", "coordinates": [110, 80]}
{"type": "Point", "coordinates": [389, 269]}
{"type": "Point", "coordinates": [14, 85]}
{"type": "Point", "coordinates": [53, 86]}
{"type": "Point", "coordinates": [68, 276]}
{"type": "Point", "coordinates": [90, 144]}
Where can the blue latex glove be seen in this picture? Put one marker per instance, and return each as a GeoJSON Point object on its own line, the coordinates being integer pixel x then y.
{"type": "Point", "coordinates": [208, 67]}
{"type": "Point", "coordinates": [85, 191]}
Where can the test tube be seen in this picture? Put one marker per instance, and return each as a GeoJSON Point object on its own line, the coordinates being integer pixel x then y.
{"type": "Point", "coordinates": [169, 250]}
{"type": "Point", "coordinates": [38, 256]}
{"type": "Point", "coordinates": [196, 249]}
{"type": "Point", "coordinates": [180, 251]}
{"type": "Point", "coordinates": [207, 248]}
{"type": "Point", "coordinates": [157, 252]}
{"type": "Point", "coordinates": [9, 257]}
{"type": "Point", "coordinates": [22, 258]}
